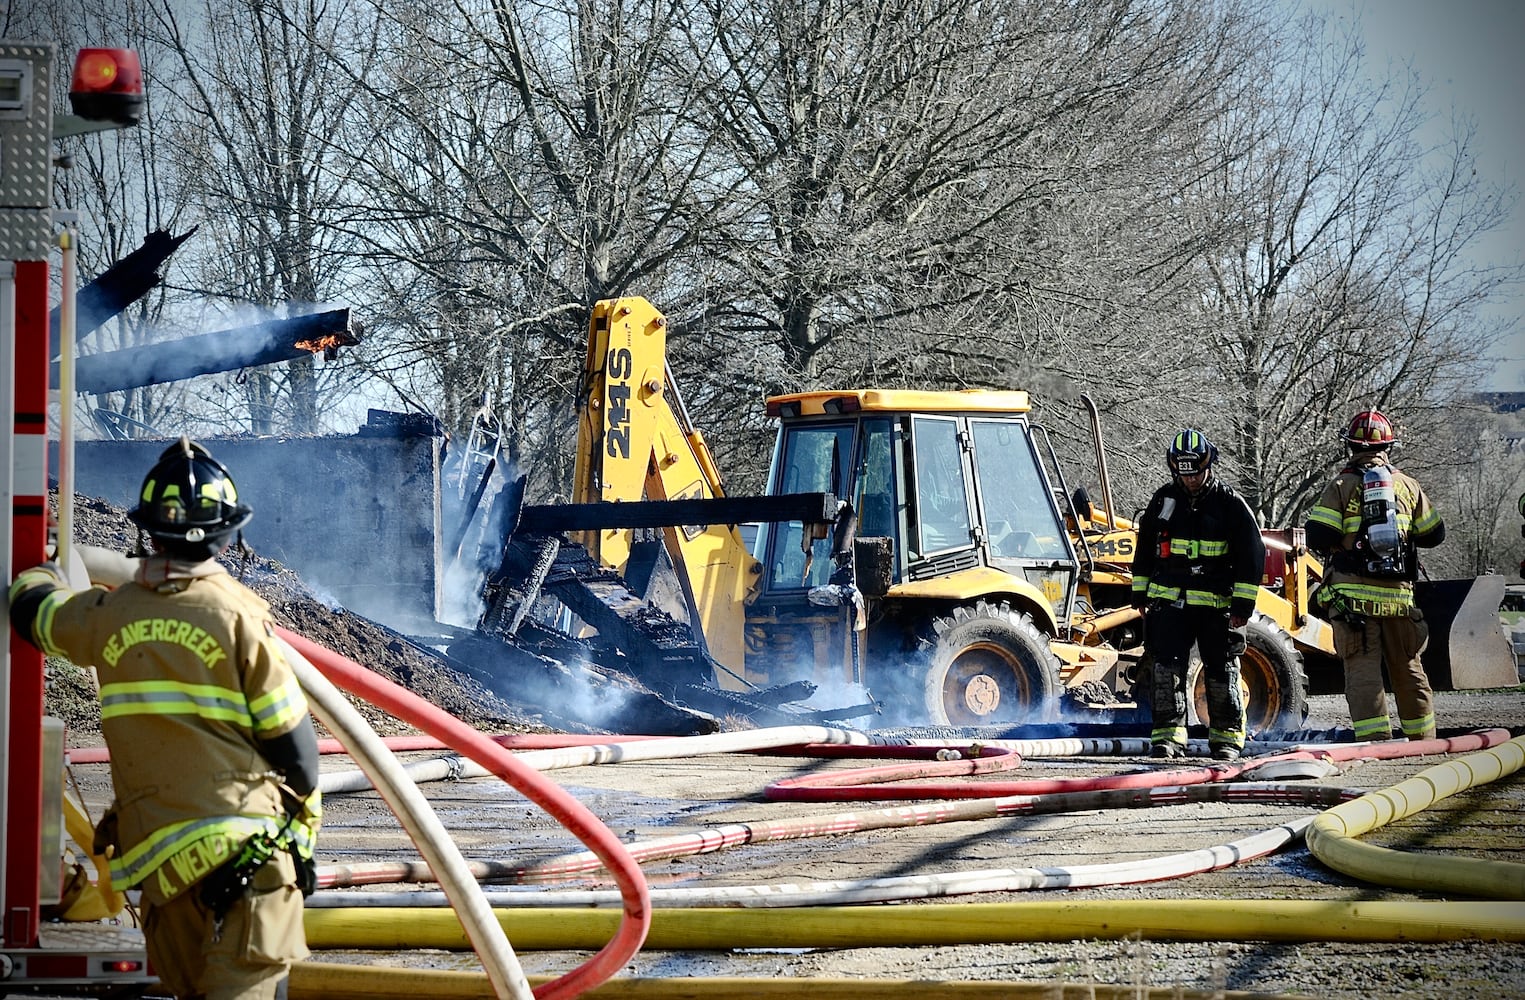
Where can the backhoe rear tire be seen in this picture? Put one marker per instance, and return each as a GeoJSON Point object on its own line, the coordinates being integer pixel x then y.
{"type": "Point", "coordinates": [1271, 678]}
{"type": "Point", "coordinates": [988, 665]}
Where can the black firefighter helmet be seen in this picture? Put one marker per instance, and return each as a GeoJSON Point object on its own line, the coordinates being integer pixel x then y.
{"type": "Point", "coordinates": [189, 504]}
{"type": "Point", "coordinates": [1190, 453]}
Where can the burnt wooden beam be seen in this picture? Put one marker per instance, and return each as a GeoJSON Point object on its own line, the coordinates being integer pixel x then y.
{"type": "Point", "coordinates": [226, 350]}
{"type": "Point", "coordinates": [117, 287]}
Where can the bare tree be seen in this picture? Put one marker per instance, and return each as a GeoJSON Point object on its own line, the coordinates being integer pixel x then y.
{"type": "Point", "coordinates": [1167, 204]}
{"type": "Point", "coordinates": [951, 193]}
{"type": "Point", "coordinates": [519, 164]}
{"type": "Point", "coordinates": [115, 183]}
{"type": "Point", "coordinates": [1473, 471]}
{"type": "Point", "coordinates": [256, 102]}
{"type": "Point", "coordinates": [1345, 280]}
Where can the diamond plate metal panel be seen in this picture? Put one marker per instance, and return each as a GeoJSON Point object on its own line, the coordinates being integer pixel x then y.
{"type": "Point", "coordinates": [26, 162]}
{"type": "Point", "coordinates": [25, 234]}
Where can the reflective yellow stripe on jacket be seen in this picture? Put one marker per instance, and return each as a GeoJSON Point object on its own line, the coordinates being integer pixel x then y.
{"type": "Point", "coordinates": [1374, 600]}
{"type": "Point", "coordinates": [42, 628]}
{"type": "Point", "coordinates": [1428, 522]}
{"type": "Point", "coordinates": [182, 853]}
{"type": "Point", "coordinates": [279, 710]}
{"type": "Point", "coordinates": [1347, 521]}
{"type": "Point", "coordinates": [1194, 598]}
{"type": "Point", "coordinates": [1194, 548]}
{"type": "Point", "coordinates": [1350, 524]}
{"type": "Point", "coordinates": [175, 698]}
{"type": "Point", "coordinates": [178, 838]}
{"type": "Point", "coordinates": [273, 712]}
{"type": "Point", "coordinates": [1332, 519]}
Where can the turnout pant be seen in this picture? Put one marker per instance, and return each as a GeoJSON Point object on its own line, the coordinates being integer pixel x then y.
{"type": "Point", "coordinates": [1364, 644]}
{"type": "Point", "coordinates": [1169, 634]}
{"type": "Point", "coordinates": [244, 957]}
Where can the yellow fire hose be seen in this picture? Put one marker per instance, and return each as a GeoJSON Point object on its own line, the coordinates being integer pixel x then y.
{"type": "Point", "coordinates": [1331, 836]}
{"type": "Point", "coordinates": [314, 980]}
{"type": "Point", "coordinates": [716, 928]}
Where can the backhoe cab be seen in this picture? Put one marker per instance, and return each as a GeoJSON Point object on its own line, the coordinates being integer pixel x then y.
{"type": "Point", "coordinates": [962, 559]}
{"type": "Point", "coordinates": [991, 592]}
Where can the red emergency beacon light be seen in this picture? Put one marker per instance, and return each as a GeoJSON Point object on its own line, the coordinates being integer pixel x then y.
{"type": "Point", "coordinates": [107, 86]}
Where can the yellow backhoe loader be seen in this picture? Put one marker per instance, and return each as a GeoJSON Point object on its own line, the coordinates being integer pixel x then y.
{"type": "Point", "coordinates": [952, 571]}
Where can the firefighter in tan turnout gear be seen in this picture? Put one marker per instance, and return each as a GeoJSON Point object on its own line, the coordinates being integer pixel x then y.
{"type": "Point", "coordinates": [214, 761]}
{"type": "Point", "coordinates": [1196, 574]}
{"type": "Point", "coordinates": [1367, 526]}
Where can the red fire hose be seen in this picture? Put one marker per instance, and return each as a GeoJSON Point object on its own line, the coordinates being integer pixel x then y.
{"type": "Point", "coordinates": [877, 783]}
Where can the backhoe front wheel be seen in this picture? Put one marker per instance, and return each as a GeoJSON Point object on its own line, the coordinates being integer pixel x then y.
{"type": "Point", "coordinates": [988, 665]}
{"type": "Point", "coordinates": [1271, 679]}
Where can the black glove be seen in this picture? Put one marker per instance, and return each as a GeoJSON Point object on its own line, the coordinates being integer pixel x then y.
{"type": "Point", "coordinates": [1237, 643]}
{"type": "Point", "coordinates": [106, 837]}
{"type": "Point", "coordinates": [307, 873]}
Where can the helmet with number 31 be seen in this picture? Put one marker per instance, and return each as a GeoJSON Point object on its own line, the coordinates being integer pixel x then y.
{"type": "Point", "coordinates": [1190, 453]}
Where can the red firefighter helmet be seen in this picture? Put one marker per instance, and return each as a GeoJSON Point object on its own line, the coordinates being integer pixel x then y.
{"type": "Point", "coordinates": [1370, 430]}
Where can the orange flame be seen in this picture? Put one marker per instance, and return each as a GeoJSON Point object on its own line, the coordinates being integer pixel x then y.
{"type": "Point", "coordinates": [330, 342]}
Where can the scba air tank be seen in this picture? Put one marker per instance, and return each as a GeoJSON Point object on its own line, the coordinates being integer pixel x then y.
{"type": "Point", "coordinates": [1379, 512]}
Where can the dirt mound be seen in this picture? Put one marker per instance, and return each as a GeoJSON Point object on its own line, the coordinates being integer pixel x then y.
{"type": "Point", "coordinates": [70, 695]}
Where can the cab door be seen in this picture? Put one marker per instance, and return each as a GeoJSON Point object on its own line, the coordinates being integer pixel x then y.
{"type": "Point", "coordinates": [940, 538]}
{"type": "Point", "coordinates": [811, 457]}
{"type": "Point", "coordinates": [1022, 528]}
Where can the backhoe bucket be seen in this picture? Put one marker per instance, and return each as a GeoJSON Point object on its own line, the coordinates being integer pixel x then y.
{"type": "Point", "coordinates": [1467, 648]}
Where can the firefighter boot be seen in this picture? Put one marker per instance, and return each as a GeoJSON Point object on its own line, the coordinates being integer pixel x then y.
{"type": "Point", "coordinates": [1225, 705]}
{"type": "Point", "coordinates": [1168, 708]}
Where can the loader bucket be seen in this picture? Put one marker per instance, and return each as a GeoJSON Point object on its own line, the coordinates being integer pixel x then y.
{"type": "Point", "coordinates": [1467, 648]}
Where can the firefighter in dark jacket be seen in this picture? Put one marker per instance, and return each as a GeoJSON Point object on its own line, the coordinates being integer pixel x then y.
{"type": "Point", "coordinates": [1196, 574]}
{"type": "Point", "coordinates": [1367, 526]}
{"type": "Point", "coordinates": [214, 762]}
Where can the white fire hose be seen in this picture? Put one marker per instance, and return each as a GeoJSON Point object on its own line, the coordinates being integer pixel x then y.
{"type": "Point", "coordinates": [452, 767]}
{"type": "Point", "coordinates": [331, 708]}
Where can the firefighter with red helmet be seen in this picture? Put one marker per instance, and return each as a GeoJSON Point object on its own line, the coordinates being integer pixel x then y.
{"type": "Point", "coordinates": [1196, 574]}
{"type": "Point", "coordinates": [1367, 526]}
{"type": "Point", "coordinates": [214, 762]}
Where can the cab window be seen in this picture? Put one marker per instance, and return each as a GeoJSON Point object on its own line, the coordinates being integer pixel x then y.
{"type": "Point", "coordinates": [813, 458]}
{"type": "Point", "coordinates": [1019, 515]}
{"type": "Point", "coordinates": [942, 499]}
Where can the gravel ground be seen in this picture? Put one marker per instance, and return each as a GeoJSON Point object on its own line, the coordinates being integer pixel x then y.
{"type": "Point", "coordinates": [657, 799]}
{"type": "Point", "coordinates": [662, 798]}
{"type": "Point", "coordinates": [1469, 970]}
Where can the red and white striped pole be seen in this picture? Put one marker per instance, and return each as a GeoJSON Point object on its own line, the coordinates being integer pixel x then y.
{"type": "Point", "coordinates": [26, 240]}
{"type": "Point", "coordinates": [29, 538]}
{"type": "Point", "coordinates": [106, 93]}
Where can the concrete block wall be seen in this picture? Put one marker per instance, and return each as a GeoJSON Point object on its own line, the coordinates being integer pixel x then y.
{"type": "Point", "coordinates": [357, 517]}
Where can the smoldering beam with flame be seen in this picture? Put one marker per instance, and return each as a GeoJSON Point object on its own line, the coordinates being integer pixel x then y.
{"type": "Point", "coordinates": [226, 350]}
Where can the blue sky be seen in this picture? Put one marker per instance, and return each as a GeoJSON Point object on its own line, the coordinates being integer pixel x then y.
{"type": "Point", "coordinates": [1470, 54]}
